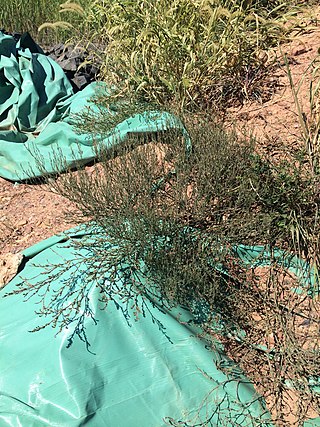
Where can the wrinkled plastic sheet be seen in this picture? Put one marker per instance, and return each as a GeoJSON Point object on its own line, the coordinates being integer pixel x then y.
{"type": "Point", "coordinates": [38, 110]}
{"type": "Point", "coordinates": [133, 375]}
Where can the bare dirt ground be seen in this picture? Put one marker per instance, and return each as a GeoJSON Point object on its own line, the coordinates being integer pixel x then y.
{"type": "Point", "coordinates": [29, 213]}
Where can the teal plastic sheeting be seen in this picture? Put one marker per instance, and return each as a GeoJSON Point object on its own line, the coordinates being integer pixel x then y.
{"type": "Point", "coordinates": [37, 108]}
{"type": "Point", "coordinates": [314, 422]}
{"type": "Point", "coordinates": [133, 375]}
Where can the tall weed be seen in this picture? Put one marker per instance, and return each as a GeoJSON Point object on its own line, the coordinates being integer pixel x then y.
{"type": "Point", "coordinates": [22, 16]}
{"type": "Point", "coordinates": [193, 53]}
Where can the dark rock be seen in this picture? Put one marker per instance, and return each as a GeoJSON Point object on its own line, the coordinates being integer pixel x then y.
{"type": "Point", "coordinates": [79, 81]}
{"type": "Point", "coordinates": [69, 58]}
{"type": "Point", "coordinates": [69, 64]}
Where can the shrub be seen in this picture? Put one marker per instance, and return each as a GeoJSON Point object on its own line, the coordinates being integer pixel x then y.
{"type": "Point", "coordinates": [191, 53]}
{"type": "Point", "coordinates": [185, 219]}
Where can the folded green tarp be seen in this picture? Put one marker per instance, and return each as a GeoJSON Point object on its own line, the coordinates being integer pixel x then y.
{"type": "Point", "coordinates": [134, 375]}
{"type": "Point", "coordinates": [37, 108]}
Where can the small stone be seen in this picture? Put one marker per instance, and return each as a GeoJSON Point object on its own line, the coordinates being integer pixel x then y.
{"type": "Point", "coordinates": [299, 50]}
{"type": "Point", "coordinates": [69, 64]}
{"type": "Point", "coordinates": [80, 81]}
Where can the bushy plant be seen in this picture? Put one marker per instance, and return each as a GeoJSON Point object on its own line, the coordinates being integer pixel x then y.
{"type": "Point", "coordinates": [194, 53]}
{"type": "Point", "coordinates": [182, 223]}
{"type": "Point", "coordinates": [186, 218]}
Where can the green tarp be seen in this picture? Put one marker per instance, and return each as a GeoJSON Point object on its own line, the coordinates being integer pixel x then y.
{"type": "Point", "coordinates": [134, 375]}
{"type": "Point", "coordinates": [37, 108]}
{"type": "Point", "coordinates": [134, 372]}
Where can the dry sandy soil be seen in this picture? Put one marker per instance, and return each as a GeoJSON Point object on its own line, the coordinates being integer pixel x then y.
{"type": "Point", "coordinates": [29, 214]}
